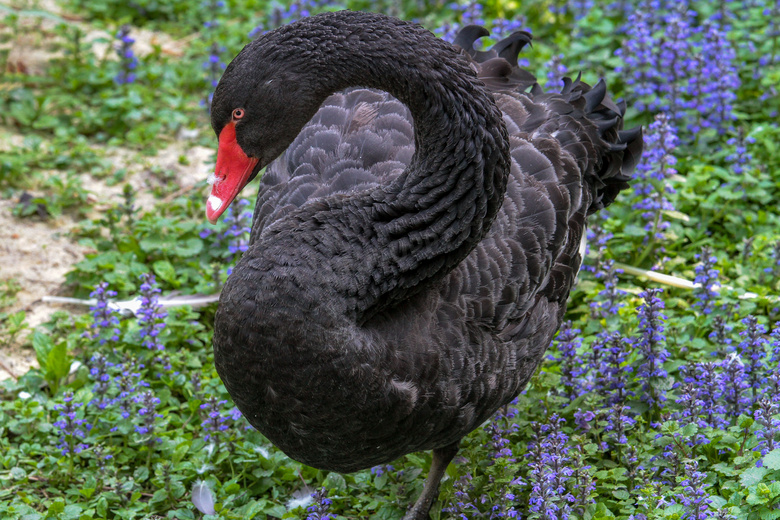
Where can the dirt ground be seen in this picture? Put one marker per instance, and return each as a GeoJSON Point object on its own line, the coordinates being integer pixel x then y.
{"type": "Point", "coordinates": [38, 254]}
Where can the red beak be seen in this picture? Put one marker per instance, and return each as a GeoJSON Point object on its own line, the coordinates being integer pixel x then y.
{"type": "Point", "coordinates": [232, 173]}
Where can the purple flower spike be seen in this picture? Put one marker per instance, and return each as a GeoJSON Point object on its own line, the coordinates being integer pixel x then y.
{"type": "Point", "coordinates": [151, 313]}
{"type": "Point", "coordinates": [556, 70]}
{"type": "Point", "coordinates": [319, 509]}
{"type": "Point", "coordinates": [551, 471]}
{"type": "Point", "coordinates": [572, 368]}
{"type": "Point", "coordinates": [105, 319]}
{"type": "Point", "coordinates": [127, 60]}
{"type": "Point", "coordinates": [707, 287]}
{"type": "Point", "coordinates": [148, 414]}
{"type": "Point", "coordinates": [753, 351]}
{"type": "Point", "coordinates": [71, 427]}
{"type": "Point", "coordinates": [608, 302]}
{"type": "Point", "coordinates": [694, 496]}
{"type": "Point", "coordinates": [768, 432]}
{"type": "Point", "coordinates": [732, 385]}
{"type": "Point", "coordinates": [651, 345]}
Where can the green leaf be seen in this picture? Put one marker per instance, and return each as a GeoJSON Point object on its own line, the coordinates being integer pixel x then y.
{"type": "Point", "coordinates": [42, 345]}
{"type": "Point", "coordinates": [772, 459]}
{"type": "Point", "coordinates": [180, 451]}
{"type": "Point", "coordinates": [231, 488]}
{"type": "Point", "coordinates": [769, 514]}
{"type": "Point", "coordinates": [690, 430]}
{"type": "Point", "coordinates": [56, 507]}
{"type": "Point", "coordinates": [252, 509]}
{"type": "Point", "coordinates": [141, 474]}
{"type": "Point", "coordinates": [58, 361]}
{"type": "Point", "coordinates": [717, 502]}
{"type": "Point", "coordinates": [335, 481]}
{"type": "Point", "coordinates": [185, 514]}
{"type": "Point", "coordinates": [621, 494]}
{"type": "Point", "coordinates": [632, 230]}
{"type": "Point", "coordinates": [277, 510]}
{"type": "Point", "coordinates": [161, 495]}
{"type": "Point", "coordinates": [752, 476]}
{"type": "Point", "coordinates": [164, 269]}
{"type": "Point", "coordinates": [188, 248]}
{"type": "Point", "coordinates": [71, 512]}
{"type": "Point", "coordinates": [102, 507]}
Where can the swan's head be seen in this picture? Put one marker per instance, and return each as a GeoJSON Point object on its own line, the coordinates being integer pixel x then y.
{"type": "Point", "coordinates": [261, 103]}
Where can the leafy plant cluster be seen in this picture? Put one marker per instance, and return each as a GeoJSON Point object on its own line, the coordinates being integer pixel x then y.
{"type": "Point", "coordinates": [652, 404]}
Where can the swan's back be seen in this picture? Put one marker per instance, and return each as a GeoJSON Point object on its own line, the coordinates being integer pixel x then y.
{"type": "Point", "coordinates": [360, 138]}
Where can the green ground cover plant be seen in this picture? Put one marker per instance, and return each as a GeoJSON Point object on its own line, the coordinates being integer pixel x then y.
{"type": "Point", "coordinates": [658, 400]}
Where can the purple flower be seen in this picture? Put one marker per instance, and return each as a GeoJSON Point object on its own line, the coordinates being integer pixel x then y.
{"type": "Point", "coordinates": [499, 443]}
{"type": "Point", "coordinates": [551, 470]}
{"type": "Point", "coordinates": [151, 313]}
{"type": "Point", "coordinates": [716, 96]}
{"type": "Point", "coordinates": [701, 394]}
{"type": "Point", "coordinates": [618, 422]}
{"type": "Point", "coordinates": [608, 302]}
{"type": "Point", "coordinates": [775, 344]}
{"type": "Point", "coordinates": [105, 319]}
{"type": "Point", "coordinates": [470, 13]}
{"type": "Point", "coordinates": [753, 350]}
{"type": "Point", "coordinates": [382, 469]}
{"type": "Point", "coordinates": [694, 496]}
{"type": "Point", "coordinates": [611, 370]}
{"type": "Point", "coordinates": [71, 426]}
{"type": "Point", "coordinates": [148, 415]}
{"type": "Point", "coordinates": [556, 70]}
{"type": "Point", "coordinates": [706, 280]}
{"type": "Point", "coordinates": [732, 384]}
{"type": "Point", "coordinates": [215, 422]}
{"type": "Point", "coordinates": [238, 221]}
{"type": "Point", "coordinates": [651, 187]}
{"type": "Point", "coordinates": [651, 346]}
{"type": "Point", "coordinates": [461, 506]}
{"type": "Point", "coordinates": [720, 332]}
{"type": "Point", "coordinates": [583, 419]}
{"type": "Point", "coordinates": [583, 484]}
{"type": "Point", "coordinates": [319, 509]}
{"type": "Point", "coordinates": [768, 431]}
{"type": "Point", "coordinates": [680, 63]}
{"type": "Point", "coordinates": [740, 158]}
{"type": "Point", "coordinates": [127, 60]}
{"type": "Point", "coordinates": [597, 240]}
{"type": "Point", "coordinates": [128, 383]}
{"type": "Point", "coordinates": [568, 342]}
{"type": "Point", "coordinates": [214, 67]}
{"type": "Point", "coordinates": [280, 16]}
{"type": "Point", "coordinates": [232, 238]}
{"type": "Point", "coordinates": [580, 8]}
{"type": "Point", "coordinates": [99, 371]}
{"type": "Point", "coordinates": [774, 270]}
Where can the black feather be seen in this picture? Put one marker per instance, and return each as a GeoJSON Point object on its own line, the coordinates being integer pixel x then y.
{"type": "Point", "coordinates": [410, 260]}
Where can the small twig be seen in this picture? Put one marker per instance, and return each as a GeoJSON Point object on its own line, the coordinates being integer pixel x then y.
{"type": "Point", "coordinates": [655, 276]}
{"type": "Point", "coordinates": [676, 281]}
{"type": "Point", "coordinates": [8, 369]}
{"type": "Point", "coordinates": [180, 191]}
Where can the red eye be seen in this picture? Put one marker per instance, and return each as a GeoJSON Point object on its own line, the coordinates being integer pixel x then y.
{"type": "Point", "coordinates": [238, 113]}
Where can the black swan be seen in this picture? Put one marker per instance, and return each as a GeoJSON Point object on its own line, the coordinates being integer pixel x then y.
{"type": "Point", "coordinates": [413, 249]}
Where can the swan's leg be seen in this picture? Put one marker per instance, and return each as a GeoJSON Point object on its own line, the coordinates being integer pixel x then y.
{"type": "Point", "coordinates": [441, 459]}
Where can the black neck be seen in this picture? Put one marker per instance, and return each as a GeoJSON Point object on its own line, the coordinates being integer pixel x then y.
{"type": "Point", "coordinates": [416, 230]}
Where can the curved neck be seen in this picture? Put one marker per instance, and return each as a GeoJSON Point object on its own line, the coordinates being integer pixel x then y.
{"type": "Point", "coordinates": [430, 218]}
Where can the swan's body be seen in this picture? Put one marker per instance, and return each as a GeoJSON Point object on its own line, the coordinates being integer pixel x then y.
{"type": "Point", "coordinates": [392, 299]}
